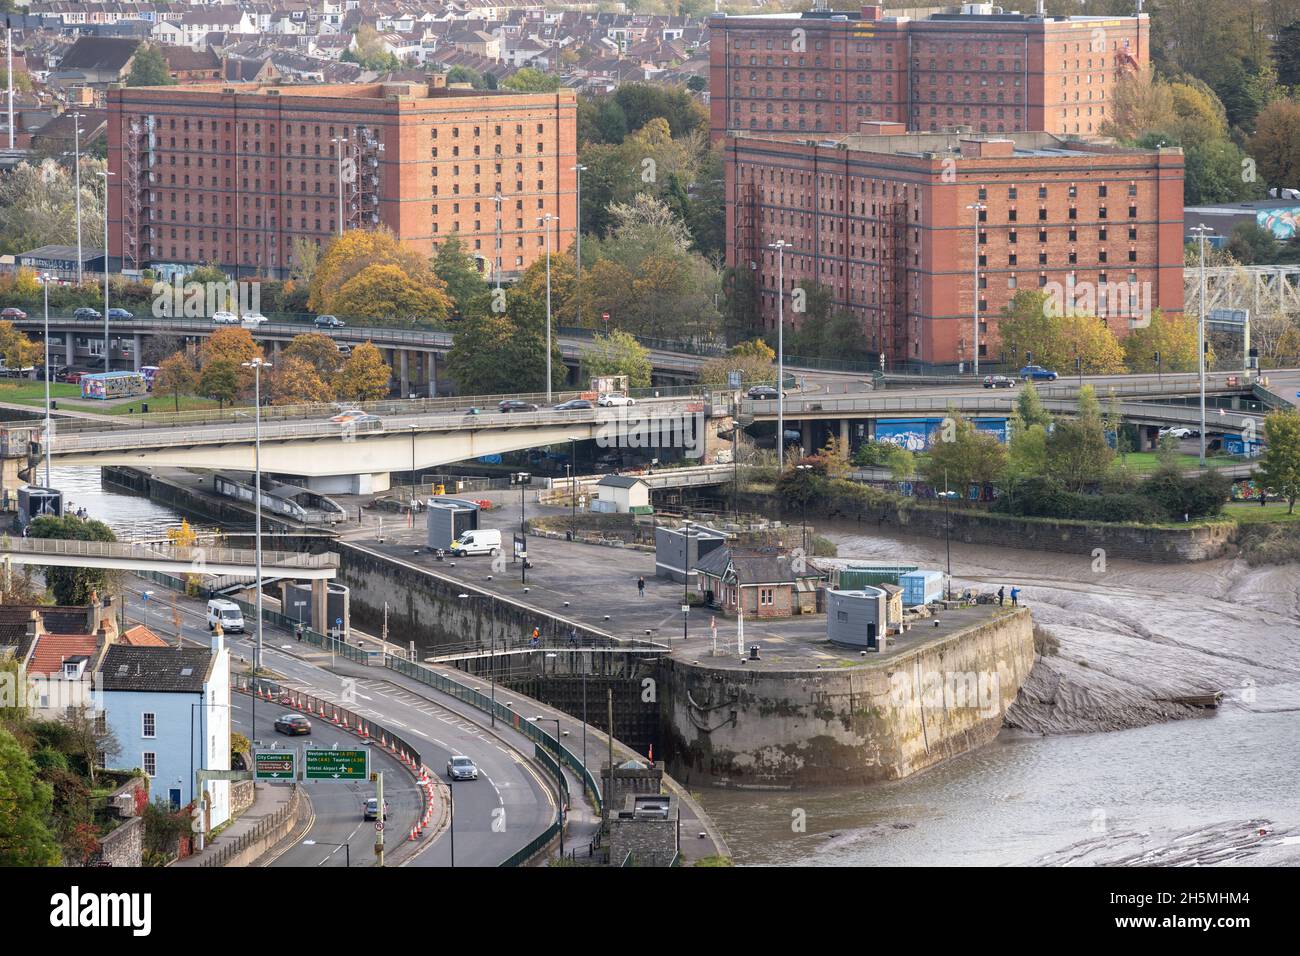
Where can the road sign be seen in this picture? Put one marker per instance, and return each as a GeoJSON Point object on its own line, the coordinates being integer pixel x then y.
{"type": "Point", "coordinates": [379, 826]}
{"type": "Point", "coordinates": [273, 765]}
{"type": "Point", "coordinates": [1232, 318]}
{"type": "Point", "coordinates": [336, 764]}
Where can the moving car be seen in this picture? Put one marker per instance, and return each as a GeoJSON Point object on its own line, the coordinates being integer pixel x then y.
{"type": "Point", "coordinates": [122, 314]}
{"type": "Point", "coordinates": [760, 392]}
{"type": "Point", "coordinates": [294, 725]}
{"type": "Point", "coordinates": [461, 768]}
{"type": "Point", "coordinates": [1180, 431]}
{"type": "Point", "coordinates": [999, 381]}
{"type": "Point", "coordinates": [516, 405]}
{"type": "Point", "coordinates": [227, 613]}
{"type": "Point", "coordinates": [354, 416]}
{"type": "Point", "coordinates": [85, 312]}
{"type": "Point", "coordinates": [254, 318]}
{"type": "Point", "coordinates": [478, 541]}
{"type": "Point", "coordinates": [329, 322]}
{"type": "Point", "coordinates": [1037, 372]}
{"type": "Point", "coordinates": [371, 811]}
{"type": "Point", "coordinates": [224, 318]}
{"type": "Point", "coordinates": [612, 399]}
{"type": "Point", "coordinates": [573, 404]}
{"type": "Point", "coordinates": [12, 313]}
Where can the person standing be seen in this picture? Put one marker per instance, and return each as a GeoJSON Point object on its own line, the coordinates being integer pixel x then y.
{"type": "Point", "coordinates": [640, 586]}
{"type": "Point", "coordinates": [1001, 595]}
{"type": "Point", "coordinates": [1015, 597]}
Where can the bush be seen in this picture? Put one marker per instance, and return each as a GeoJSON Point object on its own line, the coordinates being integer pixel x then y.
{"type": "Point", "coordinates": [1045, 498]}
{"type": "Point", "coordinates": [1197, 496]}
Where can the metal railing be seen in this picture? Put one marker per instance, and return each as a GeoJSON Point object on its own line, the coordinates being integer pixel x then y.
{"type": "Point", "coordinates": [267, 825]}
{"type": "Point", "coordinates": [198, 556]}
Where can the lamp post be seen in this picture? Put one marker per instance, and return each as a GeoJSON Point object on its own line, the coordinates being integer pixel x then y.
{"type": "Point", "coordinates": [105, 173]}
{"type": "Point", "coordinates": [780, 246]}
{"type": "Point", "coordinates": [546, 222]}
{"type": "Point", "coordinates": [977, 208]}
{"type": "Point", "coordinates": [45, 283]}
{"type": "Point", "coordinates": [257, 365]}
{"type": "Point", "coordinates": [947, 536]}
{"type": "Point", "coordinates": [686, 575]}
{"type": "Point", "coordinates": [1201, 232]}
{"type": "Point", "coordinates": [577, 272]}
{"type": "Point", "coordinates": [451, 822]}
{"type": "Point", "coordinates": [804, 499]}
{"type": "Point", "coordinates": [521, 478]}
{"type": "Point", "coordinates": [340, 142]}
{"type": "Point", "coordinates": [76, 167]}
{"type": "Point", "coordinates": [347, 849]}
{"type": "Point", "coordinates": [539, 719]}
{"type": "Point", "coordinates": [492, 663]}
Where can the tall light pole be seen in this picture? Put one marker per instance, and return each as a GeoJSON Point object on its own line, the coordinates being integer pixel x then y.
{"type": "Point", "coordinates": [105, 173]}
{"type": "Point", "coordinates": [340, 142]}
{"type": "Point", "coordinates": [45, 282]}
{"type": "Point", "coordinates": [780, 246]}
{"type": "Point", "coordinates": [257, 365]}
{"type": "Point", "coordinates": [577, 272]}
{"type": "Point", "coordinates": [1201, 232]}
{"type": "Point", "coordinates": [497, 260]}
{"type": "Point", "coordinates": [977, 208]}
{"type": "Point", "coordinates": [76, 166]}
{"type": "Point", "coordinates": [546, 222]}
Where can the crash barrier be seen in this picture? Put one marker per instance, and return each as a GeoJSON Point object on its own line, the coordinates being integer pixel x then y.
{"type": "Point", "coordinates": [270, 826]}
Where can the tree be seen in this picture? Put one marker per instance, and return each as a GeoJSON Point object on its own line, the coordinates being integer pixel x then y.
{"type": "Point", "coordinates": [1286, 54]}
{"type": "Point", "coordinates": [177, 376]}
{"type": "Point", "coordinates": [295, 381]}
{"type": "Point", "coordinates": [305, 256]}
{"type": "Point", "coordinates": [149, 68]}
{"type": "Point", "coordinates": [504, 351]}
{"type": "Point", "coordinates": [26, 803]}
{"type": "Point", "coordinates": [223, 380]}
{"type": "Point", "coordinates": [532, 80]}
{"type": "Point", "coordinates": [1276, 143]}
{"type": "Point", "coordinates": [371, 273]}
{"type": "Point", "coordinates": [229, 344]}
{"type": "Point", "coordinates": [17, 349]}
{"type": "Point", "coordinates": [1029, 406]}
{"type": "Point", "coordinates": [38, 205]}
{"type": "Point", "coordinates": [1077, 452]}
{"type": "Point", "coordinates": [1033, 324]}
{"type": "Point", "coordinates": [367, 50]}
{"type": "Point", "coordinates": [454, 266]}
{"type": "Point", "coordinates": [1139, 103]}
{"type": "Point", "coordinates": [317, 349]}
{"type": "Point", "coordinates": [71, 585]}
{"type": "Point", "coordinates": [364, 376]}
{"type": "Point", "coordinates": [158, 348]}
{"type": "Point", "coordinates": [1213, 174]}
{"type": "Point", "coordinates": [824, 330]}
{"type": "Point", "coordinates": [1173, 336]}
{"type": "Point", "coordinates": [1278, 468]}
{"type": "Point", "coordinates": [617, 353]}
{"type": "Point", "coordinates": [1252, 244]}
{"type": "Point", "coordinates": [1026, 452]}
{"type": "Point", "coordinates": [465, 74]}
{"type": "Point", "coordinates": [960, 455]}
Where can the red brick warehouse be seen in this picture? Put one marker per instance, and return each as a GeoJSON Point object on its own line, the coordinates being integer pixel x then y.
{"type": "Point", "coordinates": [825, 72]}
{"type": "Point", "coordinates": [234, 174]}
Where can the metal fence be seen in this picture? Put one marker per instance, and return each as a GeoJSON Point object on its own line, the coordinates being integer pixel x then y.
{"type": "Point", "coordinates": [267, 825]}
{"type": "Point", "coordinates": [198, 556]}
{"type": "Point", "coordinates": [309, 636]}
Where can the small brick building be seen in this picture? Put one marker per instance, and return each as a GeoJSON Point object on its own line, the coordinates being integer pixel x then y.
{"type": "Point", "coordinates": [768, 582]}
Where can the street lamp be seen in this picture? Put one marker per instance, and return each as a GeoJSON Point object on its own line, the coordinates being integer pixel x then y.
{"type": "Point", "coordinates": [686, 575]}
{"type": "Point", "coordinates": [492, 661]}
{"type": "Point", "coordinates": [521, 478]}
{"type": "Point", "coordinates": [539, 719]}
{"type": "Point", "coordinates": [1201, 232]}
{"type": "Point", "coordinates": [257, 364]}
{"type": "Point", "coordinates": [146, 595]}
{"type": "Point", "coordinates": [45, 283]}
{"type": "Point", "coordinates": [347, 849]}
{"type": "Point", "coordinates": [804, 498]}
{"type": "Point", "coordinates": [780, 246]}
{"type": "Point", "coordinates": [577, 273]}
{"type": "Point", "coordinates": [546, 221]}
{"type": "Point", "coordinates": [76, 165]}
{"type": "Point", "coordinates": [340, 142]}
{"type": "Point", "coordinates": [105, 173]}
{"type": "Point", "coordinates": [977, 208]}
{"type": "Point", "coordinates": [947, 536]}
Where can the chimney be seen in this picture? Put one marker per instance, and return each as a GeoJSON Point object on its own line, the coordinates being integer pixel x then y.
{"type": "Point", "coordinates": [218, 641]}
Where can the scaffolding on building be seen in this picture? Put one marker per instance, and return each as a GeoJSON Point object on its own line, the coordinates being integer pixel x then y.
{"type": "Point", "coordinates": [894, 273]}
{"type": "Point", "coordinates": [138, 156]}
{"type": "Point", "coordinates": [363, 202]}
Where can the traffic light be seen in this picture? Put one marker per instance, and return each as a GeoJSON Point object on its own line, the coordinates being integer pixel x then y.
{"type": "Point", "coordinates": [1156, 358]}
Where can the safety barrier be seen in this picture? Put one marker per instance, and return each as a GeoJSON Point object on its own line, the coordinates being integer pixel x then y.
{"type": "Point", "coordinates": [309, 636]}
{"type": "Point", "coordinates": [264, 827]}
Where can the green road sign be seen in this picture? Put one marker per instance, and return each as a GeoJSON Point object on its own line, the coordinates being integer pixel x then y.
{"type": "Point", "coordinates": [273, 765]}
{"type": "Point", "coordinates": [336, 764]}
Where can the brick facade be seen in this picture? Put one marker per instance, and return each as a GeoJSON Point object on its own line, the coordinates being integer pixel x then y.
{"type": "Point", "coordinates": [826, 72]}
{"type": "Point", "coordinates": [234, 174]}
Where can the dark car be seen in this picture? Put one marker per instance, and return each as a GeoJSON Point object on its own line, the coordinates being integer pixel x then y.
{"type": "Point", "coordinates": [999, 381]}
{"type": "Point", "coordinates": [120, 314]}
{"type": "Point", "coordinates": [292, 724]}
{"type": "Point", "coordinates": [760, 392]}
{"type": "Point", "coordinates": [12, 313]}
{"type": "Point", "coordinates": [329, 322]}
{"type": "Point", "coordinates": [86, 313]}
{"type": "Point", "coordinates": [573, 404]}
{"type": "Point", "coordinates": [516, 405]}
{"type": "Point", "coordinates": [1037, 372]}
{"type": "Point", "coordinates": [371, 811]}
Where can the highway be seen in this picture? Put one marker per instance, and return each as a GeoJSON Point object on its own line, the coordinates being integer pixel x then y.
{"type": "Point", "coordinates": [509, 805]}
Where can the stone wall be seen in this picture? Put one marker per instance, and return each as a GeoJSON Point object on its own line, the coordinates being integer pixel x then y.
{"type": "Point", "coordinates": [881, 720]}
{"type": "Point", "coordinates": [651, 842]}
{"type": "Point", "coordinates": [125, 845]}
{"type": "Point", "coordinates": [242, 795]}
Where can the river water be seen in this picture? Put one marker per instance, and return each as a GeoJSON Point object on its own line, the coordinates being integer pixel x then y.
{"type": "Point", "coordinates": [129, 515]}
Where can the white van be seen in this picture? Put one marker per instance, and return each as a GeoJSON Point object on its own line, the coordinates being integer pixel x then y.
{"type": "Point", "coordinates": [227, 613]}
{"type": "Point", "coordinates": [482, 541]}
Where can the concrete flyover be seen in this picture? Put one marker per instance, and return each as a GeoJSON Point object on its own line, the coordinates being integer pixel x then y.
{"type": "Point", "coordinates": [165, 559]}
{"type": "Point", "coordinates": [319, 448]}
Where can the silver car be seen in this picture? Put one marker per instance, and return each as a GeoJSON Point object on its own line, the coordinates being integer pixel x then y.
{"type": "Point", "coordinates": [461, 768]}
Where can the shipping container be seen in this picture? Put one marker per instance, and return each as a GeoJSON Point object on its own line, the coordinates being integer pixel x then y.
{"type": "Point", "coordinates": [921, 587]}
{"type": "Point", "coordinates": [857, 576]}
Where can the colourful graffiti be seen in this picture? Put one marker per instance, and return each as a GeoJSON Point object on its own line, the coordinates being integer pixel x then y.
{"type": "Point", "coordinates": [1248, 491]}
{"type": "Point", "coordinates": [1282, 223]}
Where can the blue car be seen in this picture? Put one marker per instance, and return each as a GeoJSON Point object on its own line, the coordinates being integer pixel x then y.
{"type": "Point", "coordinates": [1037, 372]}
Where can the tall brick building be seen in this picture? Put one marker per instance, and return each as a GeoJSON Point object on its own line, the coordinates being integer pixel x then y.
{"type": "Point", "coordinates": [825, 72]}
{"type": "Point", "coordinates": [883, 221]}
{"type": "Point", "coordinates": [233, 174]}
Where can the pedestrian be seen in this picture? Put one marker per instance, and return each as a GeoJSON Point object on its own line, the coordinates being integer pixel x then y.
{"type": "Point", "coordinates": [1001, 595]}
{"type": "Point", "coordinates": [640, 586]}
{"type": "Point", "coordinates": [573, 636]}
{"type": "Point", "coordinates": [1015, 597]}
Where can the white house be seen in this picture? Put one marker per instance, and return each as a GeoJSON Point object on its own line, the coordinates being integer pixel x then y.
{"type": "Point", "coordinates": [616, 493]}
{"type": "Point", "coordinates": [169, 709]}
{"type": "Point", "coordinates": [192, 28]}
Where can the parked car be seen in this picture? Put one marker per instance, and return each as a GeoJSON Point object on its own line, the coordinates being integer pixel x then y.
{"type": "Point", "coordinates": [613, 399]}
{"type": "Point", "coordinates": [12, 313]}
{"type": "Point", "coordinates": [224, 318]}
{"type": "Point", "coordinates": [329, 322]}
{"type": "Point", "coordinates": [73, 378]}
{"type": "Point", "coordinates": [371, 811]}
{"type": "Point", "coordinates": [461, 768]}
{"type": "Point", "coordinates": [999, 381]}
{"type": "Point", "coordinates": [121, 314]}
{"type": "Point", "coordinates": [573, 404]}
{"type": "Point", "coordinates": [1036, 373]}
{"type": "Point", "coordinates": [516, 405]}
{"type": "Point", "coordinates": [85, 312]}
{"type": "Point", "coordinates": [254, 318]}
{"type": "Point", "coordinates": [762, 392]}
{"type": "Point", "coordinates": [295, 725]}
{"type": "Point", "coordinates": [1180, 431]}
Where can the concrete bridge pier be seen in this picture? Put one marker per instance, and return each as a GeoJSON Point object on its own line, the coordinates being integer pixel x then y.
{"type": "Point", "coordinates": [806, 440]}
{"type": "Point", "coordinates": [1150, 437]}
{"type": "Point", "coordinates": [69, 347]}
{"type": "Point", "coordinates": [320, 605]}
{"type": "Point", "coordinates": [404, 372]}
{"type": "Point", "coordinates": [137, 342]}
{"type": "Point", "coordinates": [363, 484]}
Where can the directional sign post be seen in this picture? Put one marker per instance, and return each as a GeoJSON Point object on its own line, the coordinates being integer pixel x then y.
{"type": "Point", "coordinates": [273, 765]}
{"type": "Point", "coordinates": [336, 764]}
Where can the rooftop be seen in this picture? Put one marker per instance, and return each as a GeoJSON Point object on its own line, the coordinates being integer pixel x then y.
{"type": "Point", "coordinates": [159, 669]}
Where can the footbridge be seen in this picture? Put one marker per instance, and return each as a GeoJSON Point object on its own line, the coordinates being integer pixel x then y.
{"type": "Point", "coordinates": [165, 558]}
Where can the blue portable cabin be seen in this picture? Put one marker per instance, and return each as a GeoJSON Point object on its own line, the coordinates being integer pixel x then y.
{"type": "Point", "coordinates": [921, 587]}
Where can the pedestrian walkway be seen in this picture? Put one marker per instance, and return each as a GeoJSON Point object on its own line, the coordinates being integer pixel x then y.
{"type": "Point", "coordinates": [270, 799]}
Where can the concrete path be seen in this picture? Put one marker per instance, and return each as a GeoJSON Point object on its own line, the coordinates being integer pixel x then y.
{"type": "Point", "coordinates": [270, 799]}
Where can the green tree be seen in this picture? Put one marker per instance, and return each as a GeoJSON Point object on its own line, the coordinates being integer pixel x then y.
{"type": "Point", "coordinates": [1029, 406]}
{"type": "Point", "coordinates": [618, 353]}
{"type": "Point", "coordinates": [1173, 336]}
{"type": "Point", "coordinates": [1077, 452]}
{"type": "Point", "coordinates": [1286, 54]}
{"type": "Point", "coordinates": [960, 455]}
{"type": "Point", "coordinates": [1033, 323]}
{"type": "Point", "coordinates": [71, 585]}
{"type": "Point", "coordinates": [26, 802]}
{"type": "Point", "coordinates": [824, 330]}
{"type": "Point", "coordinates": [364, 376]}
{"type": "Point", "coordinates": [1276, 143]}
{"type": "Point", "coordinates": [454, 266]}
{"type": "Point", "coordinates": [223, 380]}
{"type": "Point", "coordinates": [465, 74]}
{"type": "Point", "coordinates": [1278, 468]}
{"type": "Point", "coordinates": [177, 376]}
{"type": "Point", "coordinates": [532, 80]}
{"type": "Point", "coordinates": [149, 68]}
{"type": "Point", "coordinates": [504, 351]}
